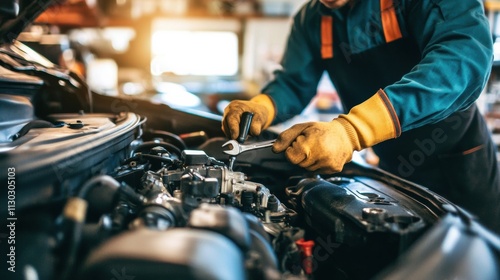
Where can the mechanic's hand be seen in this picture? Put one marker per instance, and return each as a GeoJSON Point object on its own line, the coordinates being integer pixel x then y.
{"type": "Point", "coordinates": [326, 146]}
{"type": "Point", "coordinates": [261, 106]}
{"type": "Point", "coordinates": [318, 146]}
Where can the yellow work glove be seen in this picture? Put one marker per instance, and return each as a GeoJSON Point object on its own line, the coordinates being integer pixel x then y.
{"type": "Point", "coordinates": [262, 106]}
{"type": "Point", "coordinates": [326, 146]}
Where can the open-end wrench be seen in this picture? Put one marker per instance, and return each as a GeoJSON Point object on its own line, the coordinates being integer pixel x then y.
{"type": "Point", "coordinates": [237, 148]}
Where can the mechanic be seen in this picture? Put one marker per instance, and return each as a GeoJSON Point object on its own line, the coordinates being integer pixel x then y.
{"type": "Point", "coordinates": [408, 73]}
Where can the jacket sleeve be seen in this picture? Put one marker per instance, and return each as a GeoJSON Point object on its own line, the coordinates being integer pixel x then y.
{"type": "Point", "coordinates": [295, 84]}
{"type": "Point", "coordinates": [456, 46]}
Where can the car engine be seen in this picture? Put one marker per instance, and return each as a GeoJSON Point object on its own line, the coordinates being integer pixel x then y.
{"type": "Point", "coordinates": [124, 201]}
{"type": "Point", "coordinates": [109, 187]}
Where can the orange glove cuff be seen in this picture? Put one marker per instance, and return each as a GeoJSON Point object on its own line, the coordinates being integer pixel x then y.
{"type": "Point", "coordinates": [371, 122]}
{"type": "Point", "coordinates": [268, 103]}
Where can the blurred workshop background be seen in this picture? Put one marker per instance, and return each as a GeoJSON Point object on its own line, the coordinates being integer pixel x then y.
{"type": "Point", "coordinates": [193, 54]}
{"type": "Point", "coordinates": [196, 54]}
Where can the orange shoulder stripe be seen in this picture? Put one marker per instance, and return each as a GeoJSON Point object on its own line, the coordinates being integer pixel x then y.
{"type": "Point", "coordinates": [390, 23]}
{"type": "Point", "coordinates": [326, 37]}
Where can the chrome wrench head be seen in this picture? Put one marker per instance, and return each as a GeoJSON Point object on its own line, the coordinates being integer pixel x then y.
{"type": "Point", "coordinates": [234, 148]}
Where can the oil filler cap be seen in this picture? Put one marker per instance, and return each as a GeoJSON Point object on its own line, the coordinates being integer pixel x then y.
{"type": "Point", "coordinates": [76, 125]}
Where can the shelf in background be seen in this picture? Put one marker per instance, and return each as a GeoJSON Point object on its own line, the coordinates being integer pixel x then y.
{"type": "Point", "coordinates": [78, 13]}
{"type": "Point", "coordinates": [492, 5]}
{"type": "Point", "coordinates": [73, 13]}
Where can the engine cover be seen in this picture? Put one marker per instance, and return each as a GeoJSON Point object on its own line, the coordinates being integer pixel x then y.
{"type": "Point", "coordinates": [361, 219]}
{"type": "Point", "coordinates": [51, 159]}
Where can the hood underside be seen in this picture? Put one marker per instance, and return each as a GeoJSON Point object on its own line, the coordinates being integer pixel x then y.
{"type": "Point", "coordinates": [16, 15]}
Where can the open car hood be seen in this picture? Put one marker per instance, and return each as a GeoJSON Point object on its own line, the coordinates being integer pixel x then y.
{"type": "Point", "coordinates": [16, 15]}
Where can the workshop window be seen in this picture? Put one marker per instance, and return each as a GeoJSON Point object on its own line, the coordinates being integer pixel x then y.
{"type": "Point", "coordinates": [194, 51]}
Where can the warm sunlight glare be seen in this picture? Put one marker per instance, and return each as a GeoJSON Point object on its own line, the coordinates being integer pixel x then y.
{"type": "Point", "coordinates": [194, 53]}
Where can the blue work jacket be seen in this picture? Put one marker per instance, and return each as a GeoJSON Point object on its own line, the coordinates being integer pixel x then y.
{"type": "Point", "coordinates": [438, 65]}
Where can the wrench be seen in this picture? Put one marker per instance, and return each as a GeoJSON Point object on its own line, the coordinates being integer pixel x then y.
{"type": "Point", "coordinates": [238, 148]}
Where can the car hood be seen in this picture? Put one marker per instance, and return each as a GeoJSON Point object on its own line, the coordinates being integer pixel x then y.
{"type": "Point", "coordinates": [16, 15]}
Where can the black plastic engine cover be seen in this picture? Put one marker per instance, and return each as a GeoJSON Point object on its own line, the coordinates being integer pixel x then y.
{"type": "Point", "coordinates": [51, 162]}
{"type": "Point", "coordinates": [361, 221]}
{"type": "Point", "coordinates": [173, 254]}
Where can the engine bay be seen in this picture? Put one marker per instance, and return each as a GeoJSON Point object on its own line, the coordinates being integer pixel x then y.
{"type": "Point", "coordinates": [103, 196]}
